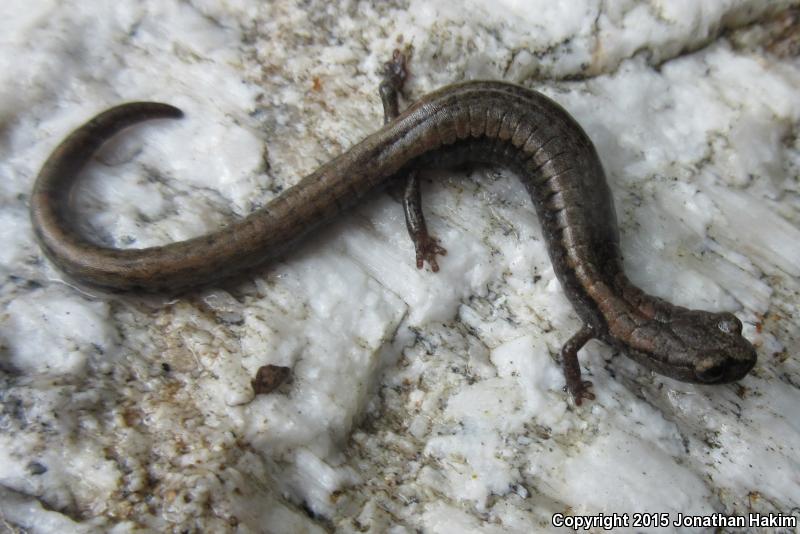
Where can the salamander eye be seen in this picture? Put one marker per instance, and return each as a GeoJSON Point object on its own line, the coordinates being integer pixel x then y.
{"type": "Point", "coordinates": [730, 324]}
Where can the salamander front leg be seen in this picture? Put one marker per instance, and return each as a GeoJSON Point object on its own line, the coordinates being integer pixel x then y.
{"type": "Point", "coordinates": [427, 247]}
{"type": "Point", "coordinates": [572, 368]}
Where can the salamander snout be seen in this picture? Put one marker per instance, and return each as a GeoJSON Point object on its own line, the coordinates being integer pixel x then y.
{"type": "Point", "coordinates": [722, 368]}
{"type": "Point", "coordinates": [730, 356]}
{"type": "Point", "coordinates": [713, 346]}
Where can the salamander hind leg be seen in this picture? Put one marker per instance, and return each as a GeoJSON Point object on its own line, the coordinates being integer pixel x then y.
{"type": "Point", "coordinates": [578, 388]}
{"type": "Point", "coordinates": [394, 77]}
{"type": "Point", "coordinates": [427, 247]}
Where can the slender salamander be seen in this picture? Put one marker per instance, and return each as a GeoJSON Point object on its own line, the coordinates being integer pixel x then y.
{"type": "Point", "coordinates": [489, 122]}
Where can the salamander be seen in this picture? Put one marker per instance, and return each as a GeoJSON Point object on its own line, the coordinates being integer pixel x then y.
{"type": "Point", "coordinates": [487, 122]}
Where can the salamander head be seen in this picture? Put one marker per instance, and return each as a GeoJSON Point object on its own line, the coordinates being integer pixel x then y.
{"type": "Point", "coordinates": [706, 348]}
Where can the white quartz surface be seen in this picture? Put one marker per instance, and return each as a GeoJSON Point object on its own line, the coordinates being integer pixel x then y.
{"type": "Point", "coordinates": [418, 402]}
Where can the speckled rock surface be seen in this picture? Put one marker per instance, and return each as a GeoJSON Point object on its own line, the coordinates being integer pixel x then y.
{"type": "Point", "coordinates": [417, 402]}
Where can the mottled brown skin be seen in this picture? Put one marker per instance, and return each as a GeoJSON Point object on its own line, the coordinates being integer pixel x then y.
{"type": "Point", "coordinates": [488, 122]}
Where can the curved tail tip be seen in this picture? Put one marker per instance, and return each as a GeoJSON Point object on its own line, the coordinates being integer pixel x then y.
{"type": "Point", "coordinates": [172, 112]}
